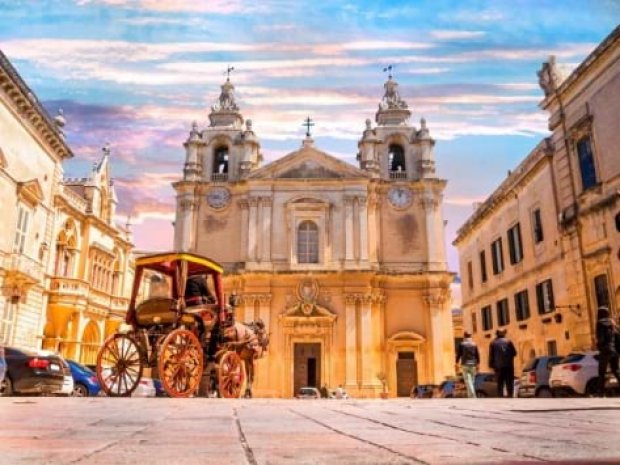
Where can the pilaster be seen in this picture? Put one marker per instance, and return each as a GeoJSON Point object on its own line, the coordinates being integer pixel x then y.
{"type": "Point", "coordinates": [351, 341]}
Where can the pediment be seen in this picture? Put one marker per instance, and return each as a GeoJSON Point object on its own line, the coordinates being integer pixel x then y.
{"type": "Point", "coordinates": [309, 163]}
{"type": "Point", "coordinates": [30, 192]}
{"type": "Point", "coordinates": [406, 337]}
{"type": "Point", "coordinates": [308, 310]}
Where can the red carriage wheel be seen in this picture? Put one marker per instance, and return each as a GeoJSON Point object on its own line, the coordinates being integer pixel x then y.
{"type": "Point", "coordinates": [119, 365]}
{"type": "Point", "coordinates": [231, 375]}
{"type": "Point", "coordinates": [180, 363]}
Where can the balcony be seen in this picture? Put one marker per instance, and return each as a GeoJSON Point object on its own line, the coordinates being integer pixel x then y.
{"type": "Point", "coordinates": [219, 177]}
{"type": "Point", "coordinates": [69, 286]}
{"type": "Point", "coordinates": [398, 175]}
{"type": "Point", "coordinates": [22, 268]}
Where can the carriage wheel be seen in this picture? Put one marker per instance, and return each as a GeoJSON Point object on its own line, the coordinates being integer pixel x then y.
{"type": "Point", "coordinates": [231, 375]}
{"type": "Point", "coordinates": [119, 365]}
{"type": "Point", "coordinates": [180, 363]}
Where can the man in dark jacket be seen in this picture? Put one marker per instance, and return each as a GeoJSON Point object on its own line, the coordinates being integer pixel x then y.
{"type": "Point", "coordinates": [467, 353]}
{"type": "Point", "coordinates": [606, 334]}
{"type": "Point", "coordinates": [197, 291]}
{"type": "Point", "coordinates": [501, 359]}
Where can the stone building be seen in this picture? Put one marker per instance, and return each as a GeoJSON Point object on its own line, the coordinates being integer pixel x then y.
{"type": "Point", "coordinates": [543, 251]}
{"type": "Point", "coordinates": [65, 267]}
{"type": "Point", "coordinates": [92, 266]}
{"type": "Point", "coordinates": [345, 264]}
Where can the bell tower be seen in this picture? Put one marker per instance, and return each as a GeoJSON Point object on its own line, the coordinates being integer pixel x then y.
{"type": "Point", "coordinates": [395, 150]}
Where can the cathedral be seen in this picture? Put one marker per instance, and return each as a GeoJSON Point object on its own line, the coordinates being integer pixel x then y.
{"type": "Point", "coordinates": [346, 265]}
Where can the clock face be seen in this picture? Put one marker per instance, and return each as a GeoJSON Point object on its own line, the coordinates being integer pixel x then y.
{"type": "Point", "coordinates": [218, 197]}
{"type": "Point", "coordinates": [400, 196]}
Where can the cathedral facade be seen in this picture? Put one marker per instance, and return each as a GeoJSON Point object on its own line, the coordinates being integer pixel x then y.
{"type": "Point", "coordinates": [346, 265]}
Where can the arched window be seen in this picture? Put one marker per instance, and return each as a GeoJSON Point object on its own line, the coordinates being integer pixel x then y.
{"type": "Point", "coordinates": [220, 160]}
{"type": "Point", "coordinates": [307, 242]}
{"type": "Point", "coordinates": [396, 156]}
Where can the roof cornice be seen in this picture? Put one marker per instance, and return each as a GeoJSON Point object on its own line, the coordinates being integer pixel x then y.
{"type": "Point", "coordinates": [29, 107]}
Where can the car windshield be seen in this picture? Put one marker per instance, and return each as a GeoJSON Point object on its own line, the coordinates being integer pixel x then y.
{"type": "Point", "coordinates": [531, 365]}
{"type": "Point", "coordinates": [572, 358]}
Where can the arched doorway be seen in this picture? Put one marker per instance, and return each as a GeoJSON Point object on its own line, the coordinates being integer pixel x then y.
{"type": "Point", "coordinates": [90, 344]}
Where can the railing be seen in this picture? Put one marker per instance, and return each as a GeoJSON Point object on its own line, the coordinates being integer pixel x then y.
{"type": "Point", "coordinates": [219, 177]}
{"type": "Point", "coordinates": [23, 265]}
{"type": "Point", "coordinates": [119, 304]}
{"type": "Point", "coordinates": [74, 199]}
{"type": "Point", "coordinates": [69, 286]}
{"type": "Point", "coordinates": [398, 175]}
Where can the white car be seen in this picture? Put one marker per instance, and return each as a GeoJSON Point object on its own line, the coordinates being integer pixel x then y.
{"type": "Point", "coordinates": [67, 384]}
{"type": "Point", "coordinates": [145, 388]}
{"type": "Point", "coordinates": [577, 373]}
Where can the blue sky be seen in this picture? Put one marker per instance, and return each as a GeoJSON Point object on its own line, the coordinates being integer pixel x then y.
{"type": "Point", "coordinates": [136, 73]}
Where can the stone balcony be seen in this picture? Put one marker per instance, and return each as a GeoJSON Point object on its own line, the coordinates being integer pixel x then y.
{"type": "Point", "coordinates": [22, 269]}
{"type": "Point", "coordinates": [219, 177]}
{"type": "Point", "coordinates": [398, 175]}
{"type": "Point", "coordinates": [65, 290]}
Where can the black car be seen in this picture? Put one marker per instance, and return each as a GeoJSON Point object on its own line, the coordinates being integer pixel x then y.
{"type": "Point", "coordinates": [31, 373]}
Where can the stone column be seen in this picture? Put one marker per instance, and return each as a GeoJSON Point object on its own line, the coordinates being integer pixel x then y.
{"type": "Point", "coordinates": [368, 342]}
{"type": "Point", "coordinates": [436, 302]}
{"type": "Point", "coordinates": [245, 226]}
{"type": "Point", "coordinates": [252, 232]}
{"type": "Point", "coordinates": [348, 227]}
{"type": "Point", "coordinates": [185, 220]}
{"type": "Point", "coordinates": [265, 310]}
{"type": "Point", "coordinates": [266, 203]}
{"type": "Point", "coordinates": [363, 228]}
{"type": "Point", "coordinates": [351, 341]}
{"type": "Point", "coordinates": [429, 203]}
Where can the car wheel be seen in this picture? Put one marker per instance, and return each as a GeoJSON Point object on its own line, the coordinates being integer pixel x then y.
{"type": "Point", "coordinates": [79, 390]}
{"type": "Point", "coordinates": [592, 387]}
{"type": "Point", "coordinates": [544, 392]}
{"type": "Point", "coordinates": [6, 388]}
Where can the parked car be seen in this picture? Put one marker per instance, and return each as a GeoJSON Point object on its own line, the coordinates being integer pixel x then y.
{"type": "Point", "coordinates": [85, 381]}
{"type": "Point", "coordinates": [577, 374]}
{"type": "Point", "coordinates": [309, 393]}
{"type": "Point", "coordinates": [535, 376]}
{"type": "Point", "coordinates": [485, 385]}
{"type": "Point", "coordinates": [145, 388]}
{"type": "Point", "coordinates": [2, 365]}
{"type": "Point", "coordinates": [67, 384]}
{"type": "Point", "coordinates": [29, 372]}
{"type": "Point", "coordinates": [452, 387]}
{"type": "Point", "coordinates": [424, 391]}
{"type": "Point", "coordinates": [332, 394]}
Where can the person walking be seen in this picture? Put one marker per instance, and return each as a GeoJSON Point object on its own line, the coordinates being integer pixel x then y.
{"type": "Point", "coordinates": [606, 338]}
{"type": "Point", "coordinates": [502, 353]}
{"type": "Point", "coordinates": [469, 357]}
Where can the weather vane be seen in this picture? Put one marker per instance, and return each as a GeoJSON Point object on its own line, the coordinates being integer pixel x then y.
{"type": "Point", "coordinates": [308, 123]}
{"type": "Point", "coordinates": [228, 70]}
{"type": "Point", "coordinates": [388, 69]}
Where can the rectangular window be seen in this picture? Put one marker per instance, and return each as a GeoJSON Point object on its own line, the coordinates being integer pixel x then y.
{"type": "Point", "coordinates": [7, 318]}
{"type": "Point", "coordinates": [522, 305]}
{"type": "Point", "coordinates": [483, 266]}
{"type": "Point", "coordinates": [514, 244]}
{"type": "Point", "coordinates": [21, 231]}
{"type": "Point", "coordinates": [470, 275]}
{"type": "Point", "coordinates": [498, 256]}
{"type": "Point", "coordinates": [586, 162]}
{"type": "Point", "coordinates": [552, 348]}
{"type": "Point", "coordinates": [487, 318]}
{"type": "Point", "coordinates": [503, 312]}
{"type": "Point", "coordinates": [537, 226]}
{"type": "Point", "coordinates": [601, 290]}
{"type": "Point", "coordinates": [544, 297]}
{"type": "Point", "coordinates": [474, 323]}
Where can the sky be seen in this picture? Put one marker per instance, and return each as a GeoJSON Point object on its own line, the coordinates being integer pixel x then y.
{"type": "Point", "coordinates": [137, 73]}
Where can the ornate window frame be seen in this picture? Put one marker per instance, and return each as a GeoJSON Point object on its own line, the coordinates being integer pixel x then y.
{"type": "Point", "coordinates": [312, 209]}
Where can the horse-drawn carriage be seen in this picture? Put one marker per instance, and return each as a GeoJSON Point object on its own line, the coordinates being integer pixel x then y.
{"type": "Point", "coordinates": [178, 338]}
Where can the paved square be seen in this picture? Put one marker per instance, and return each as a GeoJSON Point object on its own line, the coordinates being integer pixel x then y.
{"type": "Point", "coordinates": [270, 431]}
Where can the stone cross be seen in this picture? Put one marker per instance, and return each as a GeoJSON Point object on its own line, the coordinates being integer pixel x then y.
{"type": "Point", "coordinates": [308, 123]}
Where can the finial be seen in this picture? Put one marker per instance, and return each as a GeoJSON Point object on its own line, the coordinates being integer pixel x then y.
{"type": "Point", "coordinates": [308, 123]}
{"type": "Point", "coordinates": [128, 224]}
{"type": "Point", "coordinates": [248, 125]}
{"type": "Point", "coordinates": [368, 124]}
{"type": "Point", "coordinates": [193, 133]}
{"type": "Point", "coordinates": [422, 123]}
{"type": "Point", "coordinates": [229, 69]}
{"type": "Point", "coordinates": [106, 149]}
{"type": "Point", "coordinates": [59, 119]}
{"type": "Point", "coordinates": [388, 69]}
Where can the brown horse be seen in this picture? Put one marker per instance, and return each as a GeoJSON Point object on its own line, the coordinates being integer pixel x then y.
{"type": "Point", "coordinates": [250, 341]}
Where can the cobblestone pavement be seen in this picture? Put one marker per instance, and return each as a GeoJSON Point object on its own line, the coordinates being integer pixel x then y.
{"type": "Point", "coordinates": [262, 431]}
